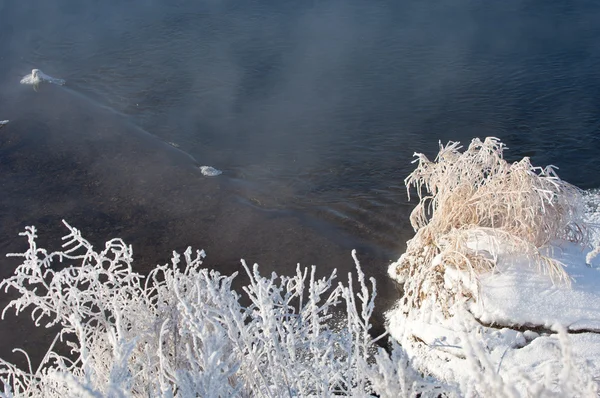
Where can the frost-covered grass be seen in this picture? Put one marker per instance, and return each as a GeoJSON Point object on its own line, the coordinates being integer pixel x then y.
{"type": "Point", "coordinates": [475, 196]}
{"type": "Point", "coordinates": [181, 330]}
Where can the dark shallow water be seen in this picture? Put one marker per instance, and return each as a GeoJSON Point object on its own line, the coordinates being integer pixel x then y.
{"type": "Point", "coordinates": [312, 109]}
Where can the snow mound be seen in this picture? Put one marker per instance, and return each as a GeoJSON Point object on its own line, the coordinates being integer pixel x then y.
{"type": "Point", "coordinates": [517, 295]}
{"type": "Point", "coordinates": [524, 332]}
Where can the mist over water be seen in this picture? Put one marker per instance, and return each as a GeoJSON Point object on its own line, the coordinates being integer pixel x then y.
{"type": "Point", "coordinates": [321, 101]}
{"type": "Point", "coordinates": [311, 108]}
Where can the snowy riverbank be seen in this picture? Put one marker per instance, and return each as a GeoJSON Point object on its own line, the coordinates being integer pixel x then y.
{"type": "Point", "coordinates": [500, 299]}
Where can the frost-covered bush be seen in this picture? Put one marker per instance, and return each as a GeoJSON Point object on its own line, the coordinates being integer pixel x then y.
{"type": "Point", "coordinates": [181, 330]}
{"type": "Point", "coordinates": [472, 201]}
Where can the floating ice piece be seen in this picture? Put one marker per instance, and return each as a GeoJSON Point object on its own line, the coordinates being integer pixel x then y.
{"type": "Point", "coordinates": [3, 123]}
{"type": "Point", "coordinates": [210, 171]}
{"type": "Point", "coordinates": [37, 76]}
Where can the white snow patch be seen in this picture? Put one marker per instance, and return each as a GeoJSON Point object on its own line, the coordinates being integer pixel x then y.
{"type": "Point", "coordinates": [517, 294]}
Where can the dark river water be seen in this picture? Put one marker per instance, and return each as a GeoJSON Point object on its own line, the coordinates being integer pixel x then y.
{"type": "Point", "coordinates": [312, 110]}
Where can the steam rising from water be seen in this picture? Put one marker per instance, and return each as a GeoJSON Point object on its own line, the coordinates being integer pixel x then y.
{"type": "Point", "coordinates": [323, 103]}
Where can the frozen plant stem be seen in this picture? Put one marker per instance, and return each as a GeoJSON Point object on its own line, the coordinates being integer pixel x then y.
{"type": "Point", "coordinates": [181, 331]}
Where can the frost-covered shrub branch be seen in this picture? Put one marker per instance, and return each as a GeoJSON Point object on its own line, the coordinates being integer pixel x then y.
{"type": "Point", "coordinates": [181, 330]}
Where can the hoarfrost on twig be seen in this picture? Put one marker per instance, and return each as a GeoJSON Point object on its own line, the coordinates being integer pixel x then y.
{"type": "Point", "coordinates": [182, 331]}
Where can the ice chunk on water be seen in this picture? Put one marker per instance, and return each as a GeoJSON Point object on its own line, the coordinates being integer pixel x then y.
{"type": "Point", "coordinates": [3, 123]}
{"type": "Point", "coordinates": [37, 76]}
{"type": "Point", "coordinates": [210, 171]}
